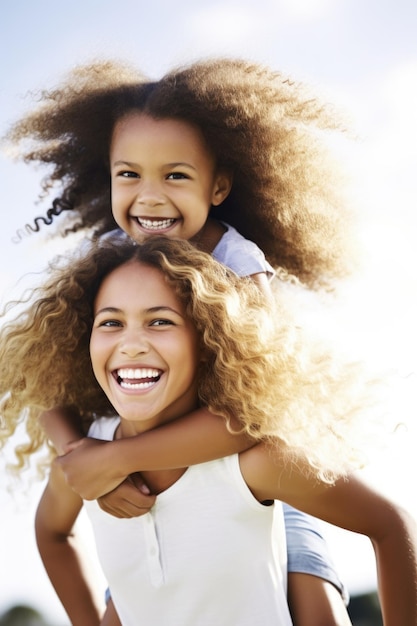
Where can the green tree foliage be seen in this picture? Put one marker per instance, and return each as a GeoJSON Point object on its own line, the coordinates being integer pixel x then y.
{"type": "Point", "coordinates": [22, 615]}
{"type": "Point", "coordinates": [364, 610]}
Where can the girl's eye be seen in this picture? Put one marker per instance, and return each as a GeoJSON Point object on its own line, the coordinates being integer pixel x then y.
{"type": "Point", "coordinates": [177, 176]}
{"type": "Point", "coordinates": [127, 174]}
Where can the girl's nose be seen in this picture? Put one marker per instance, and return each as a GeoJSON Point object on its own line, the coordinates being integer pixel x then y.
{"type": "Point", "coordinates": [150, 194]}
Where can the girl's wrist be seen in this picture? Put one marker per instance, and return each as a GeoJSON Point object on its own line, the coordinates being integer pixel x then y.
{"type": "Point", "coordinates": [125, 455]}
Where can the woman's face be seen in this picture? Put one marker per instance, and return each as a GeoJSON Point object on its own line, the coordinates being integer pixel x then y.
{"type": "Point", "coordinates": [144, 351]}
{"type": "Point", "coordinates": [163, 177]}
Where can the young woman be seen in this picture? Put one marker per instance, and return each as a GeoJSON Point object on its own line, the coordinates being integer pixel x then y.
{"type": "Point", "coordinates": [168, 329]}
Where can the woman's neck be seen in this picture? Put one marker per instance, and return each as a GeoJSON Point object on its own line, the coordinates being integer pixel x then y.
{"type": "Point", "coordinates": [156, 480]}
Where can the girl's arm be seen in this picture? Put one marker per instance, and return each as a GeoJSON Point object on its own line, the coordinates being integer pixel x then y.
{"type": "Point", "coordinates": [110, 617]}
{"type": "Point", "coordinates": [316, 595]}
{"type": "Point", "coordinates": [94, 467]}
{"type": "Point", "coordinates": [62, 426]}
{"type": "Point", "coordinates": [314, 601]}
{"type": "Point", "coordinates": [353, 505]}
{"type": "Point", "coordinates": [261, 280]}
{"type": "Point", "coordinates": [55, 518]}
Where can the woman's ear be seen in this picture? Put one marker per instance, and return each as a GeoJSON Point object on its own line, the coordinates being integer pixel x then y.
{"type": "Point", "coordinates": [222, 186]}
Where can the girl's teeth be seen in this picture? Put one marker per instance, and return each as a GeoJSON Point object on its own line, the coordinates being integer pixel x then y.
{"type": "Point", "coordinates": [155, 224]}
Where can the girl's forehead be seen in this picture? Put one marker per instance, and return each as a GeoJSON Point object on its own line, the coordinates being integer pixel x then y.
{"type": "Point", "coordinates": [137, 124]}
{"type": "Point", "coordinates": [144, 120]}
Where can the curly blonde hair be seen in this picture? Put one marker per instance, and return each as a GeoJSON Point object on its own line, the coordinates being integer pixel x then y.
{"type": "Point", "coordinates": [269, 131]}
{"type": "Point", "coordinates": [258, 367]}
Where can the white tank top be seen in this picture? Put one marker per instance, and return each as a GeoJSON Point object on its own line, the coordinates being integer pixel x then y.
{"type": "Point", "coordinates": [208, 554]}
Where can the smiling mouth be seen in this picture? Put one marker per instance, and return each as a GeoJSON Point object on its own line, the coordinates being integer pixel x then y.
{"type": "Point", "coordinates": [137, 378]}
{"type": "Point", "coordinates": [156, 224]}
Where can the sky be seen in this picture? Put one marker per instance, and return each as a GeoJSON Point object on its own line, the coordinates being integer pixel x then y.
{"type": "Point", "coordinates": [362, 54]}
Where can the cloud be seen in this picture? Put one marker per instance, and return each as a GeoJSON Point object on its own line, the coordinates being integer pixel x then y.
{"type": "Point", "coordinates": [307, 9]}
{"type": "Point", "coordinates": [222, 25]}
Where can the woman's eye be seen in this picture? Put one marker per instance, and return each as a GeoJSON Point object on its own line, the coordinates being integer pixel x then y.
{"type": "Point", "coordinates": [109, 324]}
{"type": "Point", "coordinates": [162, 322]}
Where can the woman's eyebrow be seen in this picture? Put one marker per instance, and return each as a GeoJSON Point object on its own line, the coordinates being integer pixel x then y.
{"type": "Point", "coordinates": [108, 309]}
{"type": "Point", "coordinates": [157, 309]}
{"type": "Point", "coordinates": [153, 309]}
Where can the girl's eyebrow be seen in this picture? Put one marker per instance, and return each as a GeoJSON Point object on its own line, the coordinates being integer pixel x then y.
{"type": "Point", "coordinates": [181, 164]}
{"type": "Point", "coordinates": [133, 165]}
{"type": "Point", "coordinates": [128, 163]}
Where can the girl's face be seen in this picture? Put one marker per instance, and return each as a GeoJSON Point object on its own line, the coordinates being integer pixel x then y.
{"type": "Point", "coordinates": [163, 178]}
{"type": "Point", "coordinates": [144, 351]}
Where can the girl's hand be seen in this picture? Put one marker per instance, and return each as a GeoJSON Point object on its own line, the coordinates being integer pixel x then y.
{"type": "Point", "coordinates": [89, 468]}
{"type": "Point", "coordinates": [130, 499]}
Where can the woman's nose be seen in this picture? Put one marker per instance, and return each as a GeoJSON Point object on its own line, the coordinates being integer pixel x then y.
{"type": "Point", "coordinates": [134, 343]}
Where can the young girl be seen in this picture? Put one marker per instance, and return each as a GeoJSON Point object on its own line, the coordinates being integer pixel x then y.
{"type": "Point", "coordinates": [221, 139]}
{"type": "Point", "coordinates": [268, 135]}
{"type": "Point", "coordinates": [211, 549]}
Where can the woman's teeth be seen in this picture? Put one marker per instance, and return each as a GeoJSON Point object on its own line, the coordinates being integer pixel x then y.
{"type": "Point", "coordinates": [138, 378]}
